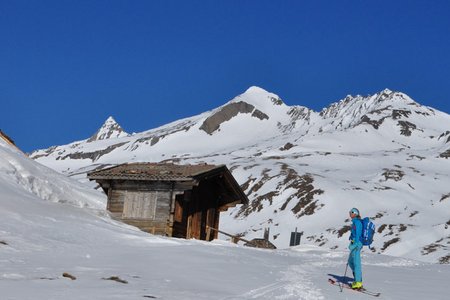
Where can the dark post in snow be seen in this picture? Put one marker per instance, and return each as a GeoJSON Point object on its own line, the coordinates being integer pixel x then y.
{"type": "Point", "coordinates": [295, 238]}
{"type": "Point", "coordinates": [266, 234]}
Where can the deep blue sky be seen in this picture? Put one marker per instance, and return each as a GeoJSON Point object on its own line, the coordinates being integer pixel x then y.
{"type": "Point", "coordinates": [65, 66]}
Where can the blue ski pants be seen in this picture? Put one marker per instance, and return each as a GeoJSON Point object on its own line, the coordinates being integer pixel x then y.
{"type": "Point", "coordinates": [354, 261]}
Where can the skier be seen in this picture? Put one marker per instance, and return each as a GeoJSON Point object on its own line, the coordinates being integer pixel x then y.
{"type": "Point", "coordinates": [354, 259]}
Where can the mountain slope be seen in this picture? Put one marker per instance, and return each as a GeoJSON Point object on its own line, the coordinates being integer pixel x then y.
{"type": "Point", "coordinates": [52, 248]}
{"type": "Point", "coordinates": [385, 154]}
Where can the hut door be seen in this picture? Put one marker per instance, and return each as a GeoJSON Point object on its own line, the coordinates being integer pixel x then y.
{"type": "Point", "coordinates": [211, 221]}
{"type": "Point", "coordinates": [193, 216]}
{"type": "Point", "coordinates": [202, 213]}
{"type": "Point", "coordinates": [180, 217]}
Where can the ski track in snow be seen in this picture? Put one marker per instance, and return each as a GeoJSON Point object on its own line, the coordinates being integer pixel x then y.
{"type": "Point", "coordinates": [294, 284]}
{"type": "Point", "coordinates": [263, 292]}
{"type": "Point", "coordinates": [300, 285]}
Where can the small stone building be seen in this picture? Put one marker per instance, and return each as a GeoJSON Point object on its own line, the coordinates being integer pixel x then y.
{"type": "Point", "coordinates": [168, 199]}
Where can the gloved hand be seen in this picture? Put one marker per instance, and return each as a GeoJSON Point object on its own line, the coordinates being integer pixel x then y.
{"type": "Point", "coordinates": [353, 245]}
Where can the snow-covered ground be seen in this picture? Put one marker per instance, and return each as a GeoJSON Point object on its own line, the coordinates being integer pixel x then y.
{"type": "Point", "coordinates": [51, 225]}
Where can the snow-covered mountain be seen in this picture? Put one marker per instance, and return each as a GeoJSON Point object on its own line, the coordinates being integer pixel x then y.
{"type": "Point", "coordinates": [110, 129]}
{"type": "Point", "coordinates": [385, 154]}
{"type": "Point", "coordinates": [56, 243]}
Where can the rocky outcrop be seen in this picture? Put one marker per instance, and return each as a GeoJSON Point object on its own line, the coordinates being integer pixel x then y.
{"type": "Point", "coordinates": [91, 155]}
{"type": "Point", "coordinates": [229, 111]}
{"type": "Point", "coordinates": [445, 154]}
{"type": "Point", "coordinates": [406, 127]}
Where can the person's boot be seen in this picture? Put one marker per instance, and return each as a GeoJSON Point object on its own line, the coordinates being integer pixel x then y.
{"type": "Point", "coordinates": [357, 285]}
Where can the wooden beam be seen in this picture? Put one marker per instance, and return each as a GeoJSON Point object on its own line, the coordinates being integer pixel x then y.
{"type": "Point", "coordinates": [228, 205]}
{"type": "Point", "coordinates": [234, 238]}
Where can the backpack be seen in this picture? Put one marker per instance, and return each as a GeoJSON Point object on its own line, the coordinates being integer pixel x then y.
{"type": "Point", "coordinates": [368, 230]}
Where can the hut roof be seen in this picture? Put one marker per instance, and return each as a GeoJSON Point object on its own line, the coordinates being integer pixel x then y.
{"type": "Point", "coordinates": [156, 171]}
{"type": "Point", "coordinates": [173, 172]}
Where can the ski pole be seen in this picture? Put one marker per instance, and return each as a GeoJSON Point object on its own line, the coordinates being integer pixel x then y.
{"type": "Point", "coordinates": [345, 274]}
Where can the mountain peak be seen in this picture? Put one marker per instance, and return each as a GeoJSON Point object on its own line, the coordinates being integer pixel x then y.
{"type": "Point", "coordinates": [255, 89]}
{"type": "Point", "coordinates": [260, 98]}
{"type": "Point", "coordinates": [255, 102]}
{"type": "Point", "coordinates": [386, 91]}
{"type": "Point", "coordinates": [110, 120]}
{"type": "Point", "coordinates": [109, 129]}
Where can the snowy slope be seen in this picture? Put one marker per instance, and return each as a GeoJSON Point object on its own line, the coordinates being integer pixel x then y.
{"type": "Point", "coordinates": [22, 173]}
{"type": "Point", "coordinates": [385, 154]}
{"type": "Point", "coordinates": [42, 238]}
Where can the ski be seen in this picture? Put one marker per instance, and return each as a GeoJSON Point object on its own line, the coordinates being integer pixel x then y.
{"type": "Point", "coordinates": [363, 290]}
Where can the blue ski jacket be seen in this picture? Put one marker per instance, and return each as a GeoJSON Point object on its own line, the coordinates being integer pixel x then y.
{"type": "Point", "coordinates": [355, 234]}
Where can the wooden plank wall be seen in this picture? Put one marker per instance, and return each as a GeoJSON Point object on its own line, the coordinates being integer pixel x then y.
{"type": "Point", "coordinates": [145, 205]}
{"type": "Point", "coordinates": [140, 204]}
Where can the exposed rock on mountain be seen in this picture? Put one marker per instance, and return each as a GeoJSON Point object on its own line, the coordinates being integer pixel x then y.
{"type": "Point", "coordinates": [227, 112]}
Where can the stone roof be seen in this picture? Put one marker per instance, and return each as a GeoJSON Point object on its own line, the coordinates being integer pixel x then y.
{"type": "Point", "coordinates": [156, 171]}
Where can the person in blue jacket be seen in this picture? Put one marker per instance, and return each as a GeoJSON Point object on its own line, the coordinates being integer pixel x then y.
{"type": "Point", "coordinates": [354, 259]}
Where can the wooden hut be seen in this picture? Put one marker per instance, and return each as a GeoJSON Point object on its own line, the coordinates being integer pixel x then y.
{"type": "Point", "coordinates": [168, 199]}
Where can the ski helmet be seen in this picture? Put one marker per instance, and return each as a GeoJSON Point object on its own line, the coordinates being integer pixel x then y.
{"type": "Point", "coordinates": [354, 211]}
